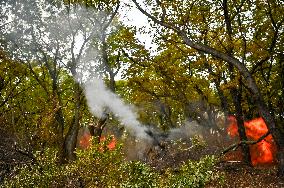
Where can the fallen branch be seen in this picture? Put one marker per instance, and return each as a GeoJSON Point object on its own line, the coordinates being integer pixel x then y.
{"type": "Point", "coordinates": [26, 153]}
{"type": "Point", "coordinates": [248, 142]}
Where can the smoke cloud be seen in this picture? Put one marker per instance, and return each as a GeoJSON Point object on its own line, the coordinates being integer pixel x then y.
{"type": "Point", "coordinates": [187, 130]}
{"type": "Point", "coordinates": [100, 98]}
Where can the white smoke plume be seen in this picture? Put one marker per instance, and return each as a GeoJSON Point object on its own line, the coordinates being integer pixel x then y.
{"type": "Point", "coordinates": [100, 98]}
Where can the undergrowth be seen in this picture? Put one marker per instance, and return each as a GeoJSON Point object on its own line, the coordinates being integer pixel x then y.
{"type": "Point", "coordinates": [98, 166]}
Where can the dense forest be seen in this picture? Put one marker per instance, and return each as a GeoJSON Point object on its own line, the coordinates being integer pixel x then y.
{"type": "Point", "coordinates": [85, 102]}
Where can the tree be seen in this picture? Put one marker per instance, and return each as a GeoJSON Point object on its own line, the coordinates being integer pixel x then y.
{"type": "Point", "coordinates": [179, 17]}
{"type": "Point", "coordinates": [108, 58]}
{"type": "Point", "coordinates": [36, 42]}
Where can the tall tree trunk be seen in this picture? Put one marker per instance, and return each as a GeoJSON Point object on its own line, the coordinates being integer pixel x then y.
{"type": "Point", "coordinates": [281, 155]}
{"type": "Point", "coordinates": [60, 139]}
{"type": "Point", "coordinates": [281, 121]}
{"type": "Point", "coordinates": [240, 122]}
{"type": "Point", "coordinates": [107, 65]}
{"type": "Point", "coordinates": [97, 130]}
{"type": "Point", "coordinates": [71, 137]}
{"type": "Point", "coordinates": [236, 93]}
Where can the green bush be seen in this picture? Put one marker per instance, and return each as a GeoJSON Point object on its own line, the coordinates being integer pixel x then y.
{"type": "Point", "coordinates": [100, 167]}
{"type": "Point", "coordinates": [45, 173]}
{"type": "Point", "coordinates": [193, 174]}
{"type": "Point", "coordinates": [95, 167]}
{"type": "Point", "coordinates": [138, 174]}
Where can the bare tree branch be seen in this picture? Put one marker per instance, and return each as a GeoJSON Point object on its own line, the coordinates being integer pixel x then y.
{"type": "Point", "coordinates": [237, 145]}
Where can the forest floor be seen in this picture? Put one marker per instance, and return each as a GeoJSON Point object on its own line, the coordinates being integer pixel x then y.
{"type": "Point", "coordinates": [236, 174]}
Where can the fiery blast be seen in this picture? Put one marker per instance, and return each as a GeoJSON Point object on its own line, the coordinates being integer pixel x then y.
{"type": "Point", "coordinates": [262, 153]}
{"type": "Point", "coordinates": [85, 140]}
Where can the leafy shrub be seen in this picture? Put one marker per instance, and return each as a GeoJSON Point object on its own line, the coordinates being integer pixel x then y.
{"type": "Point", "coordinates": [100, 167]}
{"type": "Point", "coordinates": [138, 174]}
{"type": "Point", "coordinates": [193, 174]}
{"type": "Point", "coordinates": [95, 167]}
{"type": "Point", "coordinates": [45, 173]}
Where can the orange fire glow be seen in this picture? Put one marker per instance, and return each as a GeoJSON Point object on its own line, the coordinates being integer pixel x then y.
{"type": "Point", "coordinates": [111, 145]}
{"type": "Point", "coordinates": [262, 153]}
{"type": "Point", "coordinates": [85, 141]}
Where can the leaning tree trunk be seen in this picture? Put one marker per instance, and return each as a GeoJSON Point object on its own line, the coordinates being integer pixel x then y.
{"type": "Point", "coordinates": [240, 122]}
{"type": "Point", "coordinates": [71, 137]}
{"type": "Point", "coordinates": [281, 154]}
{"type": "Point", "coordinates": [236, 93]}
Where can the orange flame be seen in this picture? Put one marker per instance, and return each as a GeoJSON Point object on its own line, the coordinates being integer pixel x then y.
{"type": "Point", "coordinates": [111, 145]}
{"type": "Point", "coordinates": [262, 153]}
{"type": "Point", "coordinates": [85, 141]}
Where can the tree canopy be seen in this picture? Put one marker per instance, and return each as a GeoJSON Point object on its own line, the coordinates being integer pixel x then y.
{"type": "Point", "coordinates": [212, 59]}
